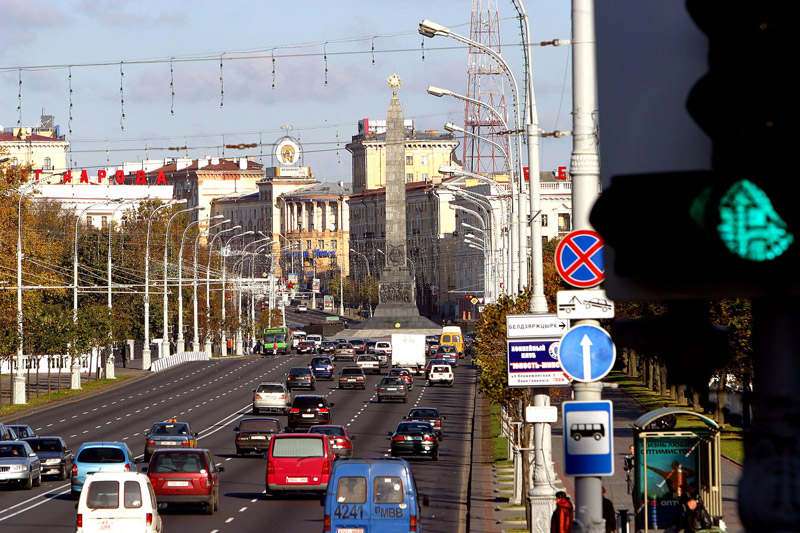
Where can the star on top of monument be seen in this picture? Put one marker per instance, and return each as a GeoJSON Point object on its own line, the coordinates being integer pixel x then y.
{"type": "Point", "coordinates": [394, 82]}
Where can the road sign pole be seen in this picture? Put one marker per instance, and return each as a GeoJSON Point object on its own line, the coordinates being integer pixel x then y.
{"type": "Point", "coordinates": [588, 489]}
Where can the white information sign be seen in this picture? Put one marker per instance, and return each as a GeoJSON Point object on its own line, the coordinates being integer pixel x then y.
{"type": "Point", "coordinates": [584, 304]}
{"type": "Point", "coordinates": [527, 326]}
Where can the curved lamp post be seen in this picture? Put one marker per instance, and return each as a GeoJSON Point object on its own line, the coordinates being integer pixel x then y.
{"type": "Point", "coordinates": [224, 340]}
{"type": "Point", "coordinates": [196, 329]}
{"type": "Point", "coordinates": [208, 285]}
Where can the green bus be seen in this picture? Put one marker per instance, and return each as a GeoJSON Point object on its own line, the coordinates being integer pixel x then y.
{"type": "Point", "coordinates": [277, 341]}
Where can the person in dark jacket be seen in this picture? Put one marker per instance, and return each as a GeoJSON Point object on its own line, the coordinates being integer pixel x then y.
{"type": "Point", "coordinates": [609, 514]}
{"type": "Point", "coordinates": [696, 517]}
{"type": "Point", "coordinates": [561, 522]}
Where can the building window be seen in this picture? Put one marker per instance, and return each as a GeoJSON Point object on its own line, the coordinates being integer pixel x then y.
{"type": "Point", "coordinates": [424, 176]}
{"type": "Point", "coordinates": [89, 220]}
{"type": "Point", "coordinates": [409, 177]}
{"type": "Point", "coordinates": [423, 160]}
{"type": "Point", "coordinates": [321, 245]}
{"type": "Point", "coordinates": [564, 222]}
{"type": "Point", "coordinates": [409, 160]}
{"type": "Point", "coordinates": [333, 245]}
{"type": "Point", "coordinates": [544, 221]}
{"type": "Point", "coordinates": [308, 245]}
{"type": "Point", "coordinates": [48, 164]}
{"type": "Point", "coordinates": [103, 221]}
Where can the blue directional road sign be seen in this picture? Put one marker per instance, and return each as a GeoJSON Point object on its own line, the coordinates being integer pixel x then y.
{"type": "Point", "coordinates": [587, 353]}
{"type": "Point", "coordinates": [588, 438]}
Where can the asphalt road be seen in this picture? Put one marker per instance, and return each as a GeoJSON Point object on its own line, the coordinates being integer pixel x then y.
{"type": "Point", "coordinates": [213, 397]}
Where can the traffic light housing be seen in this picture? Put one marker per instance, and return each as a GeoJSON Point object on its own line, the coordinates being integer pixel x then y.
{"type": "Point", "coordinates": [734, 230]}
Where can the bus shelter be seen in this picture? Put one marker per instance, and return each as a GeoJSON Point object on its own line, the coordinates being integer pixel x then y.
{"type": "Point", "coordinates": [671, 464]}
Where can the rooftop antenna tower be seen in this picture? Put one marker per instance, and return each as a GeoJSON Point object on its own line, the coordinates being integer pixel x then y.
{"type": "Point", "coordinates": [485, 83]}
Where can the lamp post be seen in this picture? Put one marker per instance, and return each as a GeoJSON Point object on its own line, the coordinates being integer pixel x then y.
{"type": "Point", "coordinates": [146, 348]}
{"type": "Point", "coordinates": [165, 341]}
{"type": "Point", "coordinates": [208, 286]}
{"type": "Point", "coordinates": [224, 345]}
{"type": "Point", "coordinates": [181, 346]}
{"type": "Point", "coordinates": [432, 29]}
{"type": "Point", "coordinates": [366, 261]}
{"type": "Point", "coordinates": [110, 227]}
{"type": "Point", "coordinates": [18, 389]}
{"type": "Point", "coordinates": [196, 329]}
{"type": "Point", "coordinates": [240, 265]}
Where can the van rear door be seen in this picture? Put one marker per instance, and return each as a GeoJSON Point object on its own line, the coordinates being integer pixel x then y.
{"type": "Point", "coordinates": [114, 505]}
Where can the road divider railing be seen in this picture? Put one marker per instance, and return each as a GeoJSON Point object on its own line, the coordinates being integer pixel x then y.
{"type": "Point", "coordinates": [178, 358]}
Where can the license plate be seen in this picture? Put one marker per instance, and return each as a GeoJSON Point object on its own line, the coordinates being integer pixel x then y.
{"type": "Point", "coordinates": [350, 379]}
{"type": "Point", "coordinates": [168, 443]}
{"type": "Point", "coordinates": [416, 438]}
{"type": "Point", "coordinates": [105, 525]}
{"type": "Point", "coordinates": [308, 415]}
{"type": "Point", "coordinates": [177, 483]}
{"type": "Point", "coordinates": [258, 437]}
{"type": "Point", "coordinates": [349, 530]}
{"type": "Point", "coordinates": [392, 388]}
{"type": "Point", "coordinates": [296, 480]}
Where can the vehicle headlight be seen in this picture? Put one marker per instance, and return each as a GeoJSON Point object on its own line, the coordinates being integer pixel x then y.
{"type": "Point", "coordinates": [52, 461]}
{"type": "Point", "coordinates": [18, 468]}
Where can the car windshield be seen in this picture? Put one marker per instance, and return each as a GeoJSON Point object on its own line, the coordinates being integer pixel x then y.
{"type": "Point", "coordinates": [356, 341]}
{"type": "Point", "coordinates": [45, 445]}
{"type": "Point", "coordinates": [413, 427]}
{"type": "Point", "coordinates": [173, 430]}
{"type": "Point", "coordinates": [256, 425]}
{"type": "Point", "coordinates": [273, 388]}
{"type": "Point", "coordinates": [298, 447]}
{"type": "Point", "coordinates": [12, 450]}
{"type": "Point", "coordinates": [344, 346]}
{"type": "Point", "coordinates": [299, 371]}
{"type": "Point", "coordinates": [350, 371]}
{"type": "Point", "coordinates": [309, 401]}
{"type": "Point", "coordinates": [423, 413]}
{"type": "Point", "coordinates": [392, 381]}
{"type": "Point", "coordinates": [191, 462]}
{"type": "Point", "coordinates": [321, 361]}
{"type": "Point", "coordinates": [273, 338]}
{"type": "Point", "coordinates": [101, 455]}
{"type": "Point", "coordinates": [441, 369]}
{"type": "Point", "coordinates": [328, 430]}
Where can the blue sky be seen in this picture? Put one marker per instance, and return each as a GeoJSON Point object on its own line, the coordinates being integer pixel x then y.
{"type": "Point", "coordinates": [183, 42]}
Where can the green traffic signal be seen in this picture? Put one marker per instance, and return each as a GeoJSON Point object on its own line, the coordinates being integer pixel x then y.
{"type": "Point", "coordinates": [749, 226]}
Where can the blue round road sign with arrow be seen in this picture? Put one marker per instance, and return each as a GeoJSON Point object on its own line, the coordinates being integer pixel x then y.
{"type": "Point", "coordinates": [587, 353]}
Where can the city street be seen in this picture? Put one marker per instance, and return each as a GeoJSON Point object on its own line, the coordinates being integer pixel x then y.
{"type": "Point", "coordinates": [213, 397]}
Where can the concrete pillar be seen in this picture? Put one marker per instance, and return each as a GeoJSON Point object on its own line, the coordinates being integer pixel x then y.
{"type": "Point", "coordinates": [75, 373]}
{"type": "Point", "coordinates": [109, 364]}
{"type": "Point", "coordinates": [146, 358]}
{"type": "Point", "coordinates": [131, 347]}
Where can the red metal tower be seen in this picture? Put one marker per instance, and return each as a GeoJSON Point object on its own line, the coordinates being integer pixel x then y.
{"type": "Point", "coordinates": [485, 83]}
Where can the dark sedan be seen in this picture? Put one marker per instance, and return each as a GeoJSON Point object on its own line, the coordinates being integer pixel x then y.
{"type": "Point", "coordinates": [54, 455]}
{"type": "Point", "coordinates": [253, 434]}
{"type": "Point", "coordinates": [359, 346]}
{"type": "Point", "coordinates": [327, 347]}
{"type": "Point", "coordinates": [427, 414]}
{"type": "Point", "coordinates": [300, 377]}
{"type": "Point", "coordinates": [392, 388]}
{"type": "Point", "coordinates": [415, 439]}
{"type": "Point", "coordinates": [309, 410]}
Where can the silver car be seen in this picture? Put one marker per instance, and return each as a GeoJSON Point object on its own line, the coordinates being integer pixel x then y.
{"type": "Point", "coordinates": [271, 396]}
{"type": "Point", "coordinates": [19, 464]}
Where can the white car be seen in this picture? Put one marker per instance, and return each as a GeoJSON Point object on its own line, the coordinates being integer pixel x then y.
{"type": "Point", "coordinates": [369, 363]}
{"type": "Point", "coordinates": [302, 308]}
{"type": "Point", "coordinates": [441, 375]}
{"type": "Point", "coordinates": [118, 501]}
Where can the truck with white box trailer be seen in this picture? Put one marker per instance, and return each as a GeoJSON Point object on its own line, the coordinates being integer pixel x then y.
{"type": "Point", "coordinates": [408, 351]}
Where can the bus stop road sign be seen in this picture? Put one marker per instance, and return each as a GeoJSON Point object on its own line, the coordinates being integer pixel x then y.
{"type": "Point", "coordinates": [588, 438]}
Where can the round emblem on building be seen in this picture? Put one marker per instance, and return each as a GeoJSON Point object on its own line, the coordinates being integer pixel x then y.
{"type": "Point", "coordinates": [287, 152]}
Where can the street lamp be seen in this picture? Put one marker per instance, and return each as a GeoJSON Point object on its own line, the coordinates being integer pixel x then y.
{"type": "Point", "coordinates": [146, 348]}
{"type": "Point", "coordinates": [240, 264]}
{"type": "Point", "coordinates": [432, 29]}
{"type": "Point", "coordinates": [165, 341]}
{"type": "Point", "coordinates": [196, 329]}
{"type": "Point", "coordinates": [208, 285]}
{"type": "Point", "coordinates": [224, 345]}
{"type": "Point", "coordinates": [181, 346]}
{"type": "Point", "coordinates": [366, 261]}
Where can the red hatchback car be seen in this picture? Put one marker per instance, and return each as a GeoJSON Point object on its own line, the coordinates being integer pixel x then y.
{"type": "Point", "coordinates": [299, 462]}
{"type": "Point", "coordinates": [185, 477]}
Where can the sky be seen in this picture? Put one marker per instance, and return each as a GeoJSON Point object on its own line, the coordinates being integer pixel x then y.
{"type": "Point", "coordinates": [200, 74]}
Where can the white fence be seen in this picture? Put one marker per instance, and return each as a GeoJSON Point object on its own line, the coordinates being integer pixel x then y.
{"type": "Point", "coordinates": [43, 364]}
{"type": "Point", "coordinates": [176, 359]}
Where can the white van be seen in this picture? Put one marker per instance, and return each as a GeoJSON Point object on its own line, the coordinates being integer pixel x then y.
{"type": "Point", "coordinates": [317, 340]}
{"type": "Point", "coordinates": [119, 502]}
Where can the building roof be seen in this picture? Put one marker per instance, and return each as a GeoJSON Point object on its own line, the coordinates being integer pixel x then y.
{"type": "Point", "coordinates": [10, 137]}
{"type": "Point", "coordinates": [222, 165]}
{"type": "Point", "coordinates": [237, 197]}
{"type": "Point", "coordinates": [322, 188]}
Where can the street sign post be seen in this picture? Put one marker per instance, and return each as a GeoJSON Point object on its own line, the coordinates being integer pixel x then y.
{"type": "Point", "coordinates": [526, 326]}
{"type": "Point", "coordinates": [579, 259]}
{"type": "Point", "coordinates": [590, 303]}
{"type": "Point", "coordinates": [588, 438]}
{"type": "Point", "coordinates": [587, 353]}
{"type": "Point", "coordinates": [532, 342]}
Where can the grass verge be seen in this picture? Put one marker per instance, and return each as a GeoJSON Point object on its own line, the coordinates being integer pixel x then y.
{"type": "Point", "coordinates": [731, 440]}
{"type": "Point", "coordinates": [499, 444]}
{"type": "Point", "coordinates": [43, 399]}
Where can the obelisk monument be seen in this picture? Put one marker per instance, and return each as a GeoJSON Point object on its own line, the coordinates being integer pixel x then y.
{"type": "Point", "coordinates": [397, 307]}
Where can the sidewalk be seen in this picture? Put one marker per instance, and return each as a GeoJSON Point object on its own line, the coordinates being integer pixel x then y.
{"type": "Point", "coordinates": [491, 486]}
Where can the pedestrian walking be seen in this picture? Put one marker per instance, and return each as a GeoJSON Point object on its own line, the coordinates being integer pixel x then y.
{"type": "Point", "coordinates": [609, 514]}
{"type": "Point", "coordinates": [561, 521]}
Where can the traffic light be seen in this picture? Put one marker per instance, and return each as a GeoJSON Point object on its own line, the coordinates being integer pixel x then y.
{"type": "Point", "coordinates": [733, 230]}
{"type": "Point", "coordinates": [263, 305]}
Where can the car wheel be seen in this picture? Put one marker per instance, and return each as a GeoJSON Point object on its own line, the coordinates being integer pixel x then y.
{"type": "Point", "coordinates": [216, 502]}
{"type": "Point", "coordinates": [74, 494]}
{"type": "Point", "coordinates": [209, 507]}
{"type": "Point", "coordinates": [28, 485]}
{"type": "Point", "coordinates": [239, 452]}
{"type": "Point", "coordinates": [62, 474]}
{"type": "Point", "coordinates": [38, 480]}
{"type": "Point", "coordinates": [405, 399]}
{"type": "Point", "coordinates": [451, 384]}
{"type": "Point", "coordinates": [363, 387]}
{"type": "Point", "coordinates": [428, 383]}
{"type": "Point", "coordinates": [256, 411]}
{"type": "Point", "coordinates": [380, 399]}
{"type": "Point", "coordinates": [313, 387]}
{"type": "Point", "coordinates": [341, 387]}
{"type": "Point", "coordinates": [435, 456]}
